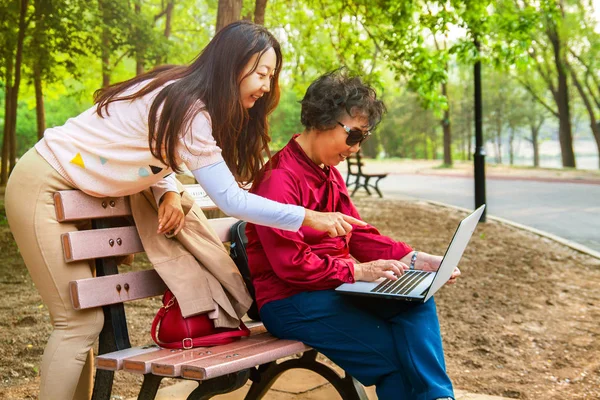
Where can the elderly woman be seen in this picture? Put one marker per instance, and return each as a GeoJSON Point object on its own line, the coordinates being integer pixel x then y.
{"type": "Point", "coordinates": [394, 345]}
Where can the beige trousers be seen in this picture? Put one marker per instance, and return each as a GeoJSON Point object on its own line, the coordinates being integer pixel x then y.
{"type": "Point", "coordinates": [66, 370]}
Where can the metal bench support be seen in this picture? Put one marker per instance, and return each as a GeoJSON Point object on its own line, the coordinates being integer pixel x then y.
{"type": "Point", "coordinates": [114, 335]}
{"type": "Point", "coordinates": [361, 180]}
{"type": "Point", "coordinates": [348, 387]}
{"type": "Point", "coordinates": [222, 384]}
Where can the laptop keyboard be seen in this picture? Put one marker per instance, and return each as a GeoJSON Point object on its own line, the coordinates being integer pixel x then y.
{"type": "Point", "coordinates": [403, 285]}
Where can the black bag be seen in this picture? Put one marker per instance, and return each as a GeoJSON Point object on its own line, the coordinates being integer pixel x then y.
{"type": "Point", "coordinates": [237, 252]}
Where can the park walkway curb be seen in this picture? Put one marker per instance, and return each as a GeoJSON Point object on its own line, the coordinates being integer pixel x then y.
{"type": "Point", "coordinates": [569, 243]}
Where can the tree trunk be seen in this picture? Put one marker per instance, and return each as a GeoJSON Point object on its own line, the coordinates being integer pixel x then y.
{"type": "Point", "coordinates": [6, 133]}
{"type": "Point", "coordinates": [168, 13]}
{"type": "Point", "coordinates": [589, 108]}
{"type": "Point", "coordinates": [469, 139]}
{"type": "Point", "coordinates": [104, 45]}
{"type": "Point", "coordinates": [40, 112]}
{"type": "Point", "coordinates": [229, 11]}
{"type": "Point", "coordinates": [446, 128]}
{"type": "Point", "coordinates": [561, 97]}
{"type": "Point", "coordinates": [11, 118]}
{"type": "Point", "coordinates": [169, 18]}
{"type": "Point", "coordinates": [260, 8]}
{"type": "Point", "coordinates": [511, 150]}
{"type": "Point", "coordinates": [139, 47]}
{"type": "Point", "coordinates": [37, 44]}
{"type": "Point", "coordinates": [535, 130]}
{"type": "Point", "coordinates": [498, 140]}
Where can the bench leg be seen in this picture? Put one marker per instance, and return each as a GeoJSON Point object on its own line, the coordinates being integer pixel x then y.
{"type": "Point", "coordinates": [366, 185]}
{"type": "Point", "coordinates": [149, 387]}
{"type": "Point", "coordinates": [376, 187]}
{"type": "Point", "coordinates": [114, 335]}
{"type": "Point", "coordinates": [348, 387]}
{"type": "Point", "coordinates": [356, 185]}
{"type": "Point", "coordinates": [220, 385]}
{"type": "Point", "coordinates": [103, 382]}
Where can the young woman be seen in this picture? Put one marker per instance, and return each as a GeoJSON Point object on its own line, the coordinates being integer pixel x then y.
{"type": "Point", "coordinates": [210, 116]}
{"type": "Point", "coordinates": [391, 344]}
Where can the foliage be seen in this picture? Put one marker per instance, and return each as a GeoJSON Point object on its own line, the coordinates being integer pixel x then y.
{"type": "Point", "coordinates": [285, 120]}
{"type": "Point", "coordinates": [406, 49]}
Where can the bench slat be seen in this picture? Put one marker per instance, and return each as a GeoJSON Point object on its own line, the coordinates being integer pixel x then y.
{"type": "Point", "coordinates": [142, 364]}
{"type": "Point", "coordinates": [247, 358]}
{"type": "Point", "coordinates": [73, 205]}
{"type": "Point", "coordinates": [221, 226]}
{"type": "Point", "coordinates": [104, 290]}
{"type": "Point", "coordinates": [96, 243]}
{"type": "Point", "coordinates": [255, 327]}
{"type": "Point", "coordinates": [114, 361]}
{"type": "Point", "coordinates": [172, 366]}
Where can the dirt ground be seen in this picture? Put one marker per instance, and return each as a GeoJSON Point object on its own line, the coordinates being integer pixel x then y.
{"type": "Point", "coordinates": [522, 322]}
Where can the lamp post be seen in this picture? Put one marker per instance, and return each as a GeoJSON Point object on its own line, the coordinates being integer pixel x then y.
{"type": "Point", "coordinates": [479, 156]}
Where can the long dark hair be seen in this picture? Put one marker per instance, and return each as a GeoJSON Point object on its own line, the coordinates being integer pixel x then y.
{"type": "Point", "coordinates": [212, 78]}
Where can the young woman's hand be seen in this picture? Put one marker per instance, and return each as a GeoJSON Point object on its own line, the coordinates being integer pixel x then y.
{"type": "Point", "coordinates": [373, 270]}
{"type": "Point", "coordinates": [170, 214]}
{"type": "Point", "coordinates": [334, 223]}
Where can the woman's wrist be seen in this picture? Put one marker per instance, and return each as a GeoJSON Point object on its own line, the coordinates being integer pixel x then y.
{"type": "Point", "coordinates": [308, 217]}
{"type": "Point", "coordinates": [413, 260]}
{"type": "Point", "coordinates": [170, 196]}
{"type": "Point", "coordinates": [358, 272]}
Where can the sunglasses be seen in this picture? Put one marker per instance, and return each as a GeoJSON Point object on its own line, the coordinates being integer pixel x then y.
{"type": "Point", "coordinates": [354, 135]}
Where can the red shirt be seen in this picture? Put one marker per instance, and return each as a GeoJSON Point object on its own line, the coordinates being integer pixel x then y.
{"type": "Point", "coordinates": [286, 263]}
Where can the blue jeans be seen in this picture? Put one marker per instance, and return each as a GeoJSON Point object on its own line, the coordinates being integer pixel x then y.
{"type": "Point", "coordinates": [394, 345]}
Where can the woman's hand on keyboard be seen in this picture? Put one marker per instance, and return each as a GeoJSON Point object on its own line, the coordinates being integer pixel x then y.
{"type": "Point", "coordinates": [429, 262]}
{"type": "Point", "coordinates": [373, 270]}
{"type": "Point", "coordinates": [425, 261]}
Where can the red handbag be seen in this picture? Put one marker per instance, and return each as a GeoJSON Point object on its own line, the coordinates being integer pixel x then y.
{"type": "Point", "coordinates": [176, 332]}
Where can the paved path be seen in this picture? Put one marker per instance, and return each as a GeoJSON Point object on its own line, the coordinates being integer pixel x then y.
{"type": "Point", "coordinates": [568, 210]}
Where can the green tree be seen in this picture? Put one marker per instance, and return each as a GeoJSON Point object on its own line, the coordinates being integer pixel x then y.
{"type": "Point", "coordinates": [547, 54]}
{"type": "Point", "coordinates": [583, 64]}
{"type": "Point", "coordinates": [13, 33]}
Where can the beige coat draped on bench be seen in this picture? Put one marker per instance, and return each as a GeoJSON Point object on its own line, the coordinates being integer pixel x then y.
{"type": "Point", "coordinates": [194, 264]}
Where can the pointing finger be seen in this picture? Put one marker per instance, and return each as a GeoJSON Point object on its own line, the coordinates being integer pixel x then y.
{"type": "Point", "coordinates": [354, 221]}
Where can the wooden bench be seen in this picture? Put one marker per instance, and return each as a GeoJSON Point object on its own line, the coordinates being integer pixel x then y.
{"type": "Point", "coordinates": [219, 369]}
{"type": "Point", "coordinates": [361, 179]}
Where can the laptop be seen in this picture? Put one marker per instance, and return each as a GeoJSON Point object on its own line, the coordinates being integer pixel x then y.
{"type": "Point", "coordinates": [417, 285]}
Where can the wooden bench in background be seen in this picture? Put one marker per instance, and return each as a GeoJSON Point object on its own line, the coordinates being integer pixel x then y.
{"type": "Point", "coordinates": [360, 178]}
{"type": "Point", "coordinates": [219, 369]}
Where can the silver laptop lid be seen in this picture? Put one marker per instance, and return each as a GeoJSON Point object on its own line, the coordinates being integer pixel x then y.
{"type": "Point", "coordinates": [455, 251]}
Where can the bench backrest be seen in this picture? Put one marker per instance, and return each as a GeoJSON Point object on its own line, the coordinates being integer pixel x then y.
{"type": "Point", "coordinates": [105, 241]}
{"type": "Point", "coordinates": [355, 164]}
